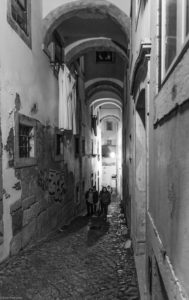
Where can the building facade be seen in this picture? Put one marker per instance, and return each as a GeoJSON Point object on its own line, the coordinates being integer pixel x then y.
{"type": "Point", "coordinates": [157, 147]}
{"type": "Point", "coordinates": [45, 171]}
{"type": "Point", "coordinates": [49, 158]}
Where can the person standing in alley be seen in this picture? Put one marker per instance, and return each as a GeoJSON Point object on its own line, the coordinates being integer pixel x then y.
{"type": "Point", "coordinates": [109, 189]}
{"type": "Point", "coordinates": [95, 199]}
{"type": "Point", "coordinates": [89, 201]}
{"type": "Point", "coordinates": [105, 199]}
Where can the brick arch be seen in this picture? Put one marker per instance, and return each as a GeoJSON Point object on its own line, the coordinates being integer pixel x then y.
{"type": "Point", "coordinates": [98, 44]}
{"type": "Point", "coordinates": [68, 10]}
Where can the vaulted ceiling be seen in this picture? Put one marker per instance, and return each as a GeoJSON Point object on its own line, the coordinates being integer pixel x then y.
{"type": "Point", "coordinates": [85, 28]}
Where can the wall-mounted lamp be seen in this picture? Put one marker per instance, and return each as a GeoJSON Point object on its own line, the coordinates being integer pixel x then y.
{"type": "Point", "coordinates": [55, 65]}
{"type": "Point", "coordinates": [56, 56]}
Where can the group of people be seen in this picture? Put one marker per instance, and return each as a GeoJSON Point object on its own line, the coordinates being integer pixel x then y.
{"type": "Point", "coordinates": [97, 203]}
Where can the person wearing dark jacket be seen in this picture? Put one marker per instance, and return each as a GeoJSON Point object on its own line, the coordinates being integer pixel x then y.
{"type": "Point", "coordinates": [95, 199]}
{"type": "Point", "coordinates": [89, 201]}
{"type": "Point", "coordinates": [105, 199]}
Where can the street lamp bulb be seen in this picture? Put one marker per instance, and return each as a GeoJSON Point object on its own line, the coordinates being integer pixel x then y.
{"type": "Point", "coordinates": [112, 154]}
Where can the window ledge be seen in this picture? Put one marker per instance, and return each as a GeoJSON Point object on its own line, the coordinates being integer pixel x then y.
{"type": "Point", "coordinates": [25, 162]}
{"type": "Point", "coordinates": [175, 62]}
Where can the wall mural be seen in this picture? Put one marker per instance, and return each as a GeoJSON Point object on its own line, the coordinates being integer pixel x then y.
{"type": "Point", "coordinates": [56, 185]}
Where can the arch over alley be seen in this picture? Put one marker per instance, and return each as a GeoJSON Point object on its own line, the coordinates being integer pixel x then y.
{"type": "Point", "coordinates": [86, 8]}
{"type": "Point", "coordinates": [99, 44]}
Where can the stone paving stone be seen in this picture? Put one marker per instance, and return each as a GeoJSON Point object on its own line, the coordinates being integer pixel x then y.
{"type": "Point", "coordinates": [85, 261]}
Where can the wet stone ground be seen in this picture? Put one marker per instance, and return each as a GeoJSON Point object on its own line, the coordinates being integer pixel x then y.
{"type": "Point", "coordinates": [90, 259]}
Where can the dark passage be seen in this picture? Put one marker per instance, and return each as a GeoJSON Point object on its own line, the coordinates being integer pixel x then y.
{"type": "Point", "coordinates": [87, 260]}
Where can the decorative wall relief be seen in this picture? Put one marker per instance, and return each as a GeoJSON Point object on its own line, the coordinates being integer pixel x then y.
{"type": "Point", "coordinates": [56, 185]}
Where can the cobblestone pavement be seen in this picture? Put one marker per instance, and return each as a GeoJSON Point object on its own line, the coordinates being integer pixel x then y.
{"type": "Point", "coordinates": [88, 260]}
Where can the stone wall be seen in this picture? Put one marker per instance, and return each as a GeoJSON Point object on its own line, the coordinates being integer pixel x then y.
{"type": "Point", "coordinates": [40, 209]}
{"type": "Point", "coordinates": [31, 208]}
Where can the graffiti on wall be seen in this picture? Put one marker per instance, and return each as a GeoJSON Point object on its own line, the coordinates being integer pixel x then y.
{"type": "Point", "coordinates": [56, 185]}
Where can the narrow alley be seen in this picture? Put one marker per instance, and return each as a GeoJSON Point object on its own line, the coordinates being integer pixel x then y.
{"type": "Point", "coordinates": [94, 101]}
{"type": "Point", "coordinates": [87, 260]}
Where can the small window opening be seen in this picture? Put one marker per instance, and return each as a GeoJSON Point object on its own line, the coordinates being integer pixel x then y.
{"type": "Point", "coordinates": [26, 141]}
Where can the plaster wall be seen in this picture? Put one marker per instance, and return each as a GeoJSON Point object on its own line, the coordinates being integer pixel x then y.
{"type": "Point", "coordinates": [1, 187]}
{"type": "Point", "coordinates": [26, 73]}
{"type": "Point", "coordinates": [140, 30]}
{"type": "Point", "coordinates": [27, 83]}
{"type": "Point", "coordinates": [168, 188]}
{"type": "Point", "coordinates": [169, 207]}
{"type": "Point", "coordinates": [129, 162]}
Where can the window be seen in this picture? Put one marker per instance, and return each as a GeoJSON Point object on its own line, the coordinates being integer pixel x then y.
{"type": "Point", "coordinates": [169, 32]}
{"type": "Point", "coordinates": [187, 17]}
{"type": "Point", "coordinates": [19, 17]}
{"type": "Point", "coordinates": [109, 142]}
{"type": "Point", "coordinates": [59, 146]}
{"type": "Point", "coordinates": [174, 29]}
{"type": "Point", "coordinates": [109, 125]}
{"type": "Point", "coordinates": [19, 13]}
{"type": "Point", "coordinates": [77, 146]}
{"type": "Point", "coordinates": [25, 141]}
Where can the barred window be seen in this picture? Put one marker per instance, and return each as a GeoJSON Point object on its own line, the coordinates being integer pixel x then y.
{"type": "Point", "coordinates": [25, 141]}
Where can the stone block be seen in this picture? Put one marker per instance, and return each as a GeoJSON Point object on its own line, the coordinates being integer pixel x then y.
{"type": "Point", "coordinates": [31, 213]}
{"type": "Point", "coordinates": [42, 225]}
{"type": "Point", "coordinates": [16, 244]}
{"type": "Point", "coordinates": [16, 206]}
{"type": "Point", "coordinates": [44, 202]}
{"type": "Point", "coordinates": [27, 202]}
{"type": "Point", "coordinates": [53, 215]}
{"type": "Point", "coordinates": [28, 233]}
{"type": "Point", "coordinates": [17, 218]}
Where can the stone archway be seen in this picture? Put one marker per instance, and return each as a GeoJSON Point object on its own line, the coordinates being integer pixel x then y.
{"type": "Point", "coordinates": [68, 10]}
{"type": "Point", "coordinates": [99, 44]}
{"type": "Point", "coordinates": [111, 116]}
{"type": "Point", "coordinates": [108, 87]}
{"type": "Point", "coordinates": [99, 102]}
{"type": "Point", "coordinates": [96, 81]}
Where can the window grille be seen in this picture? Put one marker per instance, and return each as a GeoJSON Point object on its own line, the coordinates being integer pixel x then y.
{"type": "Point", "coordinates": [26, 141]}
